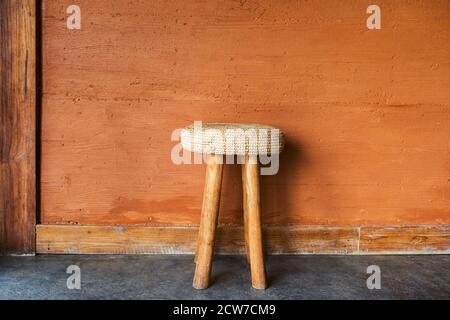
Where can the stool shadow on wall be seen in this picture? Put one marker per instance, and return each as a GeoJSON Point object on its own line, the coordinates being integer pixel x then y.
{"type": "Point", "coordinates": [282, 202]}
{"type": "Point", "coordinates": [276, 201]}
{"type": "Point", "coordinates": [277, 190]}
{"type": "Point", "coordinates": [281, 205]}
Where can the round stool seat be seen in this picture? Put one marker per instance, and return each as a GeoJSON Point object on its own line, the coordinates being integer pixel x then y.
{"type": "Point", "coordinates": [232, 139]}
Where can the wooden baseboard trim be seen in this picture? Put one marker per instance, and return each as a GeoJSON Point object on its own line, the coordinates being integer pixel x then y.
{"type": "Point", "coordinates": [72, 239]}
{"type": "Point", "coordinates": [405, 240]}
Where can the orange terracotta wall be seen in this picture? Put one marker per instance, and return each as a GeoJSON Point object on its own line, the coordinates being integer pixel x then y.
{"type": "Point", "coordinates": [366, 112]}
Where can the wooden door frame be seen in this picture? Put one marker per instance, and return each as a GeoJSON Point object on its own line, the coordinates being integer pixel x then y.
{"type": "Point", "coordinates": [18, 134]}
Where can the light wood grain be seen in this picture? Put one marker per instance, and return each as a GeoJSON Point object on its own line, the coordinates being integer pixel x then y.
{"type": "Point", "coordinates": [419, 239]}
{"type": "Point", "coordinates": [17, 126]}
{"type": "Point", "coordinates": [253, 222]}
{"type": "Point", "coordinates": [64, 239]}
{"type": "Point", "coordinates": [60, 239]}
{"type": "Point", "coordinates": [208, 223]}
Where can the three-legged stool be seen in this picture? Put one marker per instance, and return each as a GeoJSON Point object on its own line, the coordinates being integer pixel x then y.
{"type": "Point", "coordinates": [247, 141]}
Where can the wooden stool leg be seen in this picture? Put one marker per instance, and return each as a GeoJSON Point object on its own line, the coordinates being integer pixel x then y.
{"type": "Point", "coordinates": [244, 199]}
{"type": "Point", "coordinates": [208, 223]}
{"type": "Point", "coordinates": [252, 219]}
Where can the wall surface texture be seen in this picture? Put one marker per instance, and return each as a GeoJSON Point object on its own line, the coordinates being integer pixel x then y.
{"type": "Point", "coordinates": [366, 112]}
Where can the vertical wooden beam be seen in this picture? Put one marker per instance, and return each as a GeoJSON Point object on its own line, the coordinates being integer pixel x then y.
{"type": "Point", "coordinates": [17, 126]}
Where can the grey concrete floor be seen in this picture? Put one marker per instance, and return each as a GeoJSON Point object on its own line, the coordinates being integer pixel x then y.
{"type": "Point", "coordinates": [170, 277]}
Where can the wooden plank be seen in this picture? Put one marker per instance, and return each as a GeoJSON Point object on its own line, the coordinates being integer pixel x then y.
{"type": "Point", "coordinates": [311, 239]}
{"type": "Point", "coordinates": [366, 112]}
{"type": "Point", "coordinates": [64, 239]}
{"type": "Point", "coordinates": [419, 239]}
{"type": "Point", "coordinates": [17, 126]}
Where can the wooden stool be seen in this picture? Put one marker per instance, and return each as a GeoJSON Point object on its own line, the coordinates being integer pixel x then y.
{"type": "Point", "coordinates": [247, 141]}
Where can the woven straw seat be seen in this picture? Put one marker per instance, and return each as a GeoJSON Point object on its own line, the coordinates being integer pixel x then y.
{"type": "Point", "coordinates": [232, 139]}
